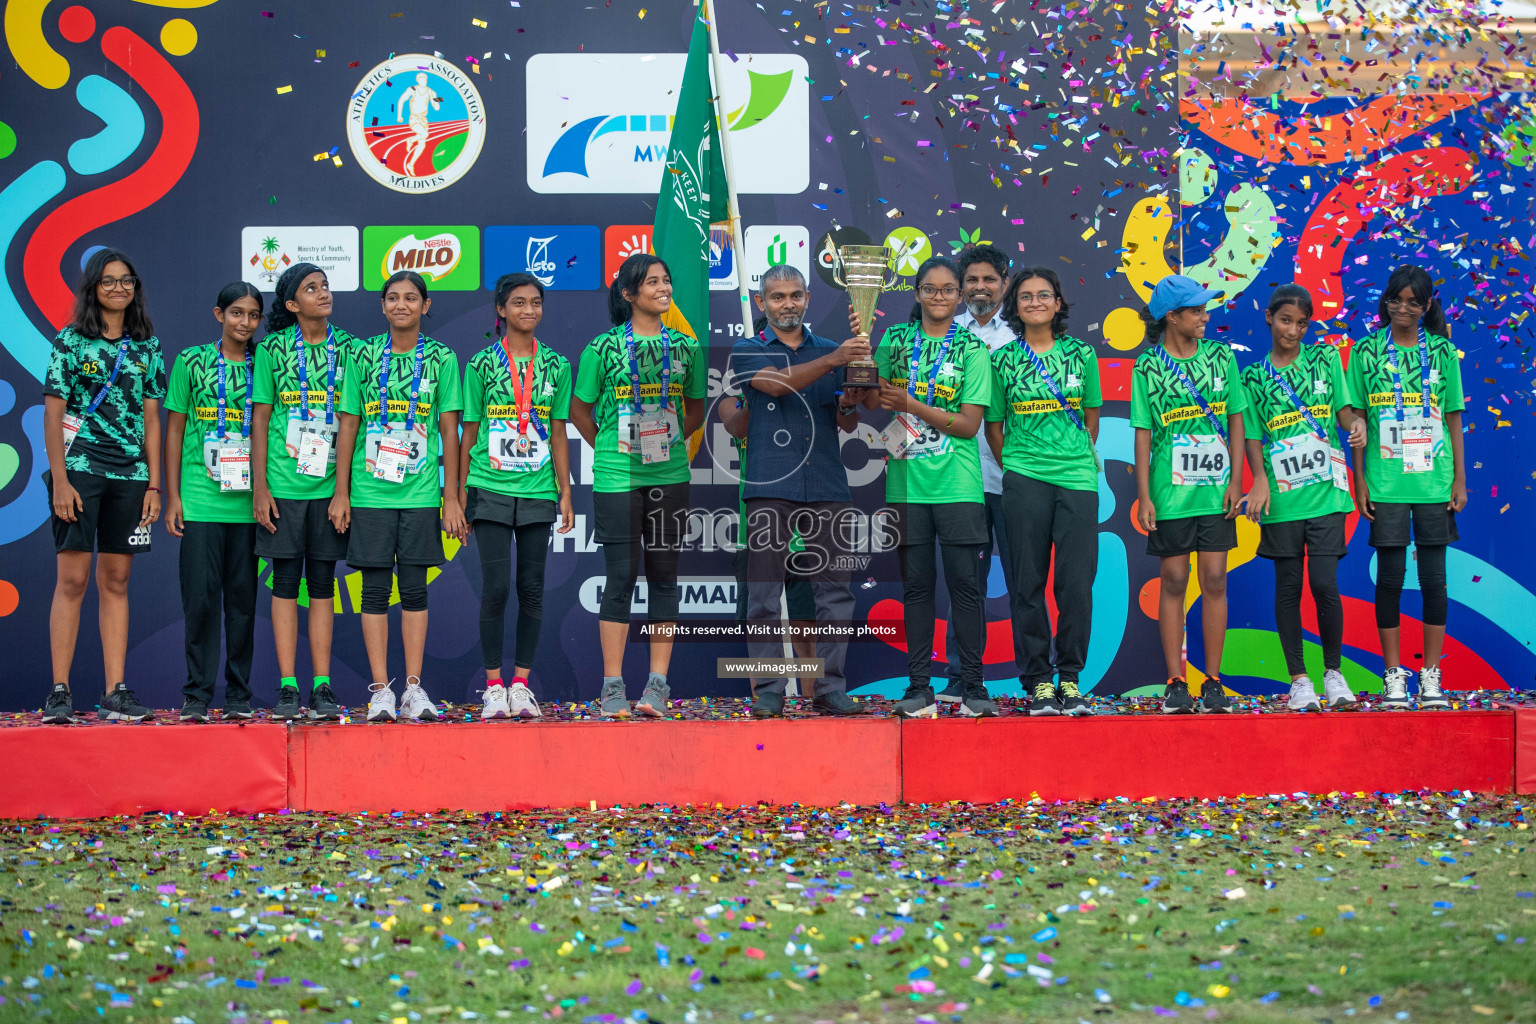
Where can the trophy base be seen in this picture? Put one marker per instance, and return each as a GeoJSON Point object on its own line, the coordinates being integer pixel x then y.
{"type": "Point", "coordinates": [861, 375]}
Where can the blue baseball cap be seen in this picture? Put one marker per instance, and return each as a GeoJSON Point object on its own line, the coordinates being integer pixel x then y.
{"type": "Point", "coordinates": [1177, 291]}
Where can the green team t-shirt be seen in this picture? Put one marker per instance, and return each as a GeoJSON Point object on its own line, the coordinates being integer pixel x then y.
{"type": "Point", "coordinates": [439, 393]}
{"type": "Point", "coordinates": [603, 379]}
{"type": "Point", "coordinates": [964, 379]}
{"type": "Point", "coordinates": [1370, 382]}
{"type": "Point", "coordinates": [1317, 377]}
{"type": "Point", "coordinates": [277, 385]}
{"type": "Point", "coordinates": [488, 396]}
{"type": "Point", "coordinates": [111, 441]}
{"type": "Point", "coordinates": [1160, 403]}
{"type": "Point", "coordinates": [194, 392]}
{"type": "Point", "coordinates": [1040, 439]}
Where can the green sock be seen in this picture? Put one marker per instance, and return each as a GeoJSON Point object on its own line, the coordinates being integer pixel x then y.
{"type": "Point", "coordinates": [288, 681]}
{"type": "Point", "coordinates": [322, 681]}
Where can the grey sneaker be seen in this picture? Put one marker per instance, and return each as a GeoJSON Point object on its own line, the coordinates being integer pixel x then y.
{"type": "Point", "coordinates": [837, 703]}
{"type": "Point", "coordinates": [977, 704]}
{"type": "Point", "coordinates": [653, 699]}
{"type": "Point", "coordinates": [1303, 697]}
{"type": "Point", "coordinates": [1336, 691]}
{"type": "Point", "coordinates": [1430, 694]}
{"type": "Point", "coordinates": [612, 702]}
{"type": "Point", "coordinates": [917, 703]}
{"type": "Point", "coordinates": [1044, 704]}
{"type": "Point", "coordinates": [1394, 687]}
{"type": "Point", "coordinates": [1072, 700]}
{"type": "Point", "coordinates": [953, 693]}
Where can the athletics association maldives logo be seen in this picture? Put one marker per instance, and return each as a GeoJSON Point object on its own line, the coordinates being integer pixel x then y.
{"type": "Point", "coordinates": [416, 123]}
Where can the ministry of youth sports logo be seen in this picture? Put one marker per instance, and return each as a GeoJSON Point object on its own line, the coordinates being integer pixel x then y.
{"type": "Point", "coordinates": [416, 123]}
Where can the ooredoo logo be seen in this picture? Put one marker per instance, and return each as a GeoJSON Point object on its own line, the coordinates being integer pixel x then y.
{"type": "Point", "coordinates": [415, 123]}
{"type": "Point", "coordinates": [447, 257]}
{"type": "Point", "coordinates": [620, 242]}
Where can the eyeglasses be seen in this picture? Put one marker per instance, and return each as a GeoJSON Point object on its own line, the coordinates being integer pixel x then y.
{"type": "Point", "coordinates": [1412, 305]}
{"type": "Point", "coordinates": [1043, 298]}
{"type": "Point", "coordinates": [928, 291]}
{"type": "Point", "coordinates": [111, 284]}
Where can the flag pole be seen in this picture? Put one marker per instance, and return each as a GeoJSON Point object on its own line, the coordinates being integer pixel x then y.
{"type": "Point", "coordinates": [730, 172]}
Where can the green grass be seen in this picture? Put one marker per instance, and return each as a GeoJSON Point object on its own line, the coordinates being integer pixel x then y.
{"type": "Point", "coordinates": [1251, 910]}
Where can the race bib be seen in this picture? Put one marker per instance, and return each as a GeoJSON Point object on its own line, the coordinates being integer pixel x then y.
{"type": "Point", "coordinates": [228, 461]}
{"type": "Point", "coordinates": [1305, 460]}
{"type": "Point", "coordinates": [1199, 460]}
{"type": "Point", "coordinates": [71, 428]}
{"type": "Point", "coordinates": [1415, 440]}
{"type": "Point", "coordinates": [407, 450]}
{"type": "Point", "coordinates": [301, 432]}
{"type": "Point", "coordinates": [908, 437]}
{"type": "Point", "coordinates": [512, 452]}
{"type": "Point", "coordinates": [649, 434]}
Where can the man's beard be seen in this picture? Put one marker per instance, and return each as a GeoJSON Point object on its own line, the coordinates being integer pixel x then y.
{"type": "Point", "coordinates": [981, 306]}
{"type": "Point", "coordinates": [787, 322]}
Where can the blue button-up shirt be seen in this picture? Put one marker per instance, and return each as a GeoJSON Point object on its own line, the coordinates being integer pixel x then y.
{"type": "Point", "coordinates": [792, 439]}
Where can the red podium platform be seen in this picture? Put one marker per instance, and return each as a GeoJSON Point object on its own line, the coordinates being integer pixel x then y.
{"type": "Point", "coordinates": [101, 770]}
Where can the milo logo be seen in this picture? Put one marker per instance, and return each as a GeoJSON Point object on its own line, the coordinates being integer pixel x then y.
{"type": "Point", "coordinates": [446, 256]}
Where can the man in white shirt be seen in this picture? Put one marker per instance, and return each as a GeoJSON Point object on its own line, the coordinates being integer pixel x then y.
{"type": "Point", "coordinates": [983, 280]}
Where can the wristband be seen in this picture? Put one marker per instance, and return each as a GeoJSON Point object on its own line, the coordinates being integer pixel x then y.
{"type": "Point", "coordinates": [155, 489]}
{"type": "Point", "coordinates": [951, 421]}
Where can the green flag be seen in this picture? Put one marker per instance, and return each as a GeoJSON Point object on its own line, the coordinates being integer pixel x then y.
{"type": "Point", "coordinates": [693, 192]}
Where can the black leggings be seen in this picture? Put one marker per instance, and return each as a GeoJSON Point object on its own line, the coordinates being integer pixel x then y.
{"type": "Point", "coordinates": [623, 561]}
{"type": "Point", "coordinates": [1392, 569]}
{"type": "Point", "coordinates": [1323, 573]}
{"type": "Point", "coordinates": [962, 573]}
{"type": "Point", "coordinates": [413, 588]}
{"type": "Point", "coordinates": [320, 574]}
{"type": "Point", "coordinates": [495, 542]}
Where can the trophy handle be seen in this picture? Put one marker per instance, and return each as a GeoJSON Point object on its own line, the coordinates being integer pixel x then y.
{"type": "Point", "coordinates": [895, 276]}
{"type": "Point", "coordinates": [837, 264]}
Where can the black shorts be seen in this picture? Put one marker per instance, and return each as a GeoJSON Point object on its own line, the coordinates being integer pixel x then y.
{"type": "Point", "coordinates": [382, 537]}
{"type": "Point", "coordinates": [109, 521]}
{"type": "Point", "coordinates": [1321, 535]}
{"type": "Point", "coordinates": [658, 515]}
{"type": "Point", "coordinates": [1174, 537]}
{"type": "Point", "coordinates": [488, 506]}
{"type": "Point", "coordinates": [1433, 525]}
{"type": "Point", "coordinates": [304, 530]}
{"type": "Point", "coordinates": [951, 522]}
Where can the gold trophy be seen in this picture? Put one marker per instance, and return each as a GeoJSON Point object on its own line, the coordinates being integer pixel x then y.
{"type": "Point", "coordinates": [861, 269]}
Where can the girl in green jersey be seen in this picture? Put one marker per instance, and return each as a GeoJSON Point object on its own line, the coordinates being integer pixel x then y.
{"type": "Point", "coordinates": [515, 460]}
{"type": "Point", "coordinates": [208, 503]}
{"type": "Point", "coordinates": [1411, 476]}
{"type": "Point", "coordinates": [1300, 492]}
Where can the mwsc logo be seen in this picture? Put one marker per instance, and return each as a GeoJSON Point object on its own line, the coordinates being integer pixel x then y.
{"type": "Point", "coordinates": [581, 140]}
{"type": "Point", "coordinates": [415, 123]}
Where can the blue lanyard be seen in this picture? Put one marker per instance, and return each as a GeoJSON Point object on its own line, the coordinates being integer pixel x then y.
{"type": "Point", "coordinates": [1050, 382]}
{"type": "Point", "coordinates": [101, 396]}
{"type": "Point", "coordinates": [385, 359]}
{"type": "Point", "coordinates": [330, 375]}
{"type": "Point", "coordinates": [527, 390]}
{"type": "Point", "coordinates": [933, 376]}
{"type": "Point", "coordinates": [634, 368]}
{"type": "Point", "coordinates": [223, 404]}
{"type": "Point", "coordinates": [1397, 379]}
{"type": "Point", "coordinates": [1194, 392]}
{"type": "Point", "coordinates": [1290, 392]}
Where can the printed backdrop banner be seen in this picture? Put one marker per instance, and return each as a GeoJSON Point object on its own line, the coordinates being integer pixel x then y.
{"type": "Point", "coordinates": [463, 140]}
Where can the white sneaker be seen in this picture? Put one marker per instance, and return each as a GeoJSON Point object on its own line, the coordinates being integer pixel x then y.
{"type": "Point", "coordinates": [381, 705]}
{"type": "Point", "coordinates": [495, 703]}
{"type": "Point", "coordinates": [1394, 687]}
{"type": "Point", "coordinates": [1430, 694]}
{"type": "Point", "coordinates": [1336, 690]}
{"type": "Point", "coordinates": [415, 704]}
{"type": "Point", "coordinates": [523, 703]}
{"type": "Point", "coordinates": [1303, 696]}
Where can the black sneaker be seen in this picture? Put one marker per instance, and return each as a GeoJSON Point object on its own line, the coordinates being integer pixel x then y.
{"type": "Point", "coordinates": [322, 703]}
{"type": "Point", "coordinates": [978, 703]}
{"type": "Point", "coordinates": [1044, 704]}
{"type": "Point", "coordinates": [239, 710]}
{"type": "Point", "coordinates": [194, 711]}
{"type": "Point", "coordinates": [837, 703]}
{"type": "Point", "coordinates": [60, 707]}
{"type": "Point", "coordinates": [917, 702]}
{"type": "Point", "coordinates": [768, 705]}
{"type": "Point", "coordinates": [122, 706]}
{"type": "Point", "coordinates": [287, 703]}
{"type": "Point", "coordinates": [1072, 700]}
{"type": "Point", "coordinates": [1213, 697]}
{"type": "Point", "coordinates": [953, 693]}
{"type": "Point", "coordinates": [1176, 698]}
